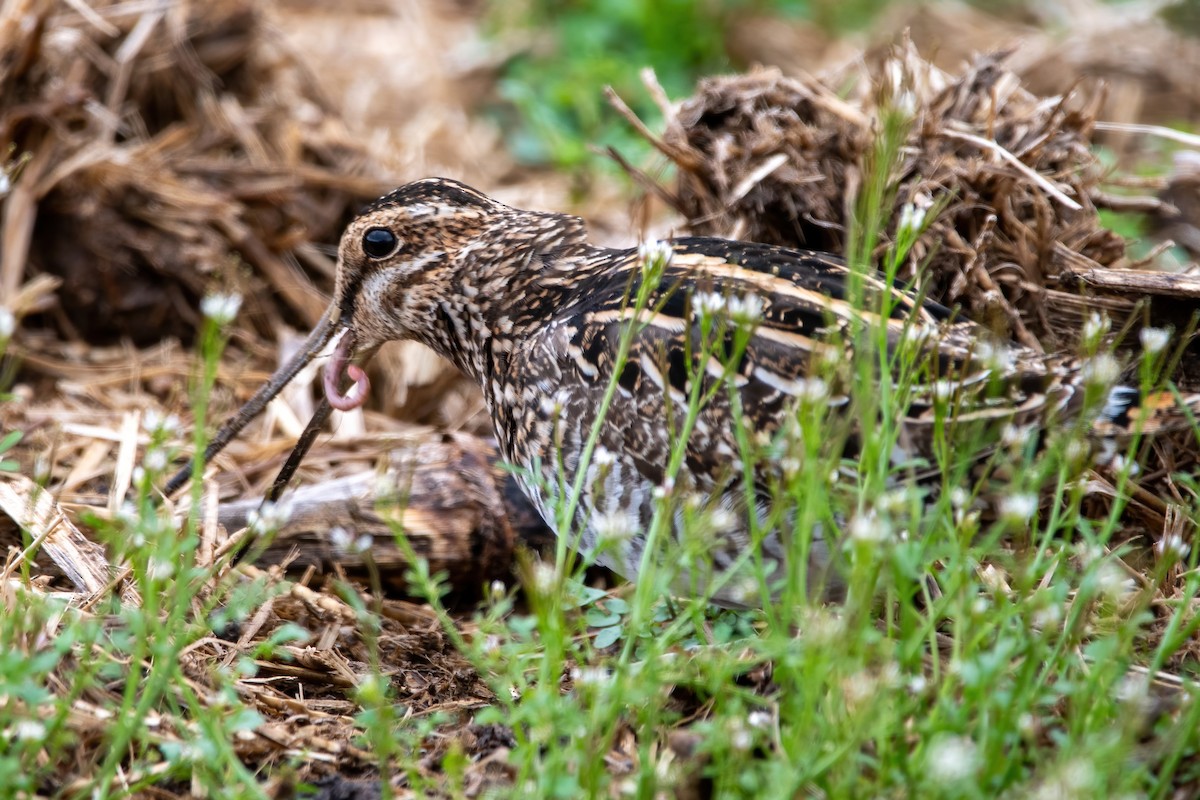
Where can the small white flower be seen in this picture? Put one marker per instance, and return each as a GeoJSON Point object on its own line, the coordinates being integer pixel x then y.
{"type": "Point", "coordinates": [5, 182]}
{"type": "Point", "coordinates": [1095, 327]}
{"type": "Point", "coordinates": [812, 390]}
{"type": "Point", "coordinates": [831, 358]}
{"type": "Point", "coordinates": [917, 684]}
{"type": "Point", "coordinates": [859, 689]}
{"type": "Point", "coordinates": [1048, 618]}
{"type": "Point", "coordinates": [270, 517]}
{"type": "Point", "coordinates": [895, 501]}
{"type": "Point", "coordinates": [590, 676]}
{"type": "Point", "coordinates": [1078, 778]}
{"type": "Point", "coordinates": [1088, 554]}
{"type": "Point", "coordinates": [1173, 545]}
{"type": "Point", "coordinates": [994, 579]}
{"type": "Point", "coordinates": [30, 730]}
{"type": "Point", "coordinates": [340, 538]}
{"type": "Point", "coordinates": [1133, 688]}
{"type": "Point", "coordinates": [343, 540]}
{"type": "Point", "coordinates": [959, 497]}
{"type": "Point", "coordinates": [951, 759]}
{"type": "Point", "coordinates": [1019, 507]}
{"type": "Point", "coordinates": [747, 310]}
{"type": "Point", "coordinates": [614, 527]}
{"type": "Point", "coordinates": [995, 356]}
{"type": "Point", "coordinates": [385, 486]}
{"type": "Point", "coordinates": [127, 514]}
{"type": "Point", "coordinates": [943, 390]}
{"type": "Point", "coordinates": [1120, 463]}
{"type": "Point", "coordinates": [821, 627]}
{"type": "Point", "coordinates": [655, 255]}
{"type": "Point", "coordinates": [152, 420]}
{"type": "Point", "coordinates": [550, 407]}
{"type": "Point", "coordinates": [760, 719]}
{"type": "Point", "coordinates": [722, 519]}
{"type": "Point", "coordinates": [1076, 451]}
{"type": "Point", "coordinates": [8, 323]}
{"type": "Point", "coordinates": [1101, 370]}
{"type": "Point", "coordinates": [161, 569]}
{"type": "Point", "coordinates": [170, 425]}
{"type": "Point", "coordinates": [869, 528]}
{"type": "Point", "coordinates": [155, 459]}
{"type": "Point", "coordinates": [138, 474]}
{"type": "Point", "coordinates": [545, 578]}
{"type": "Point", "coordinates": [709, 304]}
{"type": "Point", "coordinates": [603, 457]}
{"type": "Point", "coordinates": [916, 334]}
{"type": "Point", "coordinates": [221, 308]}
{"type": "Point", "coordinates": [1154, 340]}
{"type": "Point", "coordinates": [740, 736]}
{"type": "Point", "coordinates": [1113, 582]}
{"type": "Point", "coordinates": [497, 590]}
{"type": "Point", "coordinates": [790, 466]}
{"type": "Point", "coordinates": [912, 217]}
{"type": "Point", "coordinates": [1016, 436]}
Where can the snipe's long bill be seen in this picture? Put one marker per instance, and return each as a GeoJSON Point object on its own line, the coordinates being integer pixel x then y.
{"type": "Point", "coordinates": [523, 304]}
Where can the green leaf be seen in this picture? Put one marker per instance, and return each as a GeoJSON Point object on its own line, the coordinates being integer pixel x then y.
{"type": "Point", "coordinates": [10, 440]}
{"type": "Point", "coordinates": [607, 637]}
{"type": "Point", "coordinates": [598, 618]}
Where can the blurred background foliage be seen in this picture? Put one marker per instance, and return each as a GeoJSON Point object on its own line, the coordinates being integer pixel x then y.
{"type": "Point", "coordinates": [566, 51]}
{"type": "Point", "coordinates": [560, 54]}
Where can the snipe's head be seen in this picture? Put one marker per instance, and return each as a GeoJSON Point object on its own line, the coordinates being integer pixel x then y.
{"type": "Point", "coordinates": [428, 262]}
{"type": "Point", "coordinates": [412, 265]}
{"type": "Point", "coordinates": [397, 259]}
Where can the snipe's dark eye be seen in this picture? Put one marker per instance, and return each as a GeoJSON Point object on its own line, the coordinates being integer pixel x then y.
{"type": "Point", "coordinates": [379, 243]}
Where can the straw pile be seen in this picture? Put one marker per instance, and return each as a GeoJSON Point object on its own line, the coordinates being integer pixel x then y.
{"type": "Point", "coordinates": [780, 160]}
{"type": "Point", "coordinates": [173, 149]}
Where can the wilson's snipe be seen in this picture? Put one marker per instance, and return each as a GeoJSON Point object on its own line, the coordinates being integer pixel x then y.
{"type": "Point", "coordinates": [534, 314]}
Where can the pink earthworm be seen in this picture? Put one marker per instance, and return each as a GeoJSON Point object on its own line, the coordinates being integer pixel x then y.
{"type": "Point", "coordinates": [338, 365]}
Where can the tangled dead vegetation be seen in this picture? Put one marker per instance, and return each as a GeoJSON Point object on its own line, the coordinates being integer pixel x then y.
{"type": "Point", "coordinates": [1019, 243]}
{"type": "Point", "coordinates": [172, 149]}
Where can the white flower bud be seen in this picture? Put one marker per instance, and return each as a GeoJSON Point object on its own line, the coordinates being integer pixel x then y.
{"type": "Point", "coordinates": [1019, 508]}
{"type": "Point", "coordinates": [747, 310]}
{"type": "Point", "coordinates": [709, 304]}
{"type": "Point", "coordinates": [221, 308]}
{"type": "Point", "coordinates": [1154, 340]}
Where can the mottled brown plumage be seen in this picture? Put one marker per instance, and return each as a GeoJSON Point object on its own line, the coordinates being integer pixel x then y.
{"type": "Point", "coordinates": [522, 303]}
